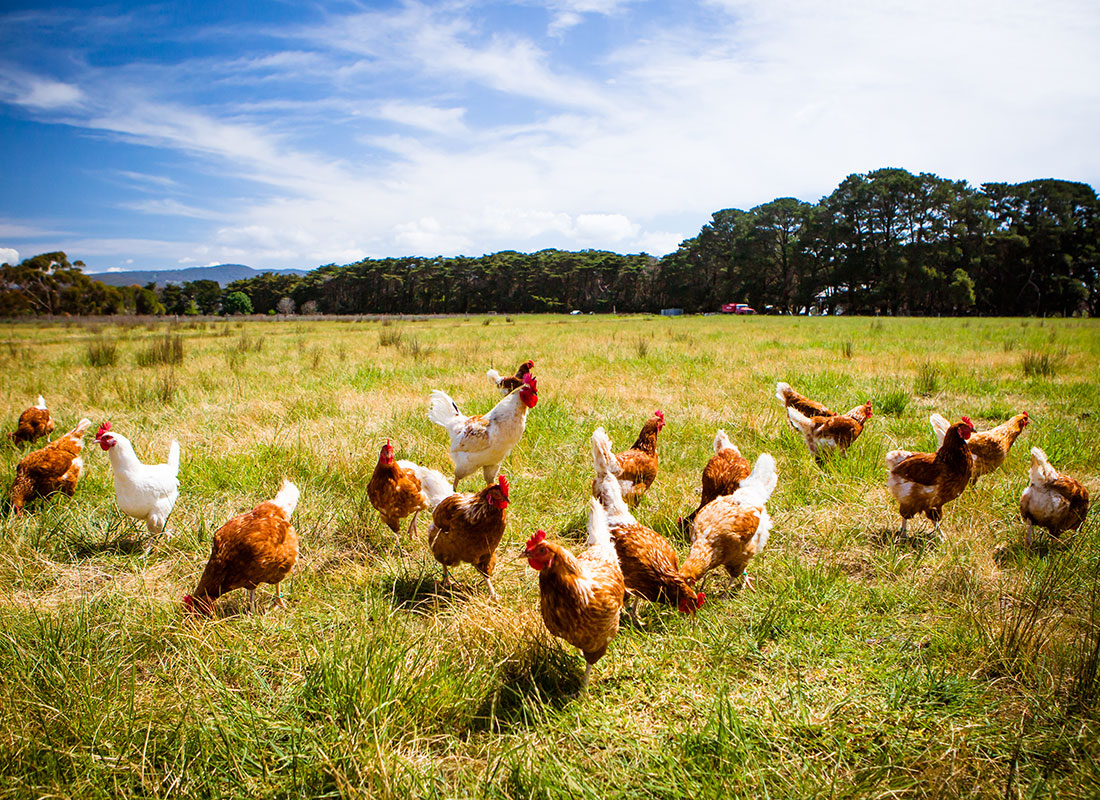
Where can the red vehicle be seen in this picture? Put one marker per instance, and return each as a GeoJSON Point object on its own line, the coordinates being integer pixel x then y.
{"type": "Point", "coordinates": [738, 308]}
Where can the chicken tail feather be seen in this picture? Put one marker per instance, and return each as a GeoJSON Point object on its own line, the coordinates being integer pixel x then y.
{"type": "Point", "coordinates": [287, 498]}
{"type": "Point", "coordinates": [443, 409]}
{"type": "Point", "coordinates": [939, 427]}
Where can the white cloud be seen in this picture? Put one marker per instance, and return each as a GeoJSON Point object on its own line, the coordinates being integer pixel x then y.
{"type": "Point", "coordinates": [503, 145]}
{"type": "Point", "coordinates": [49, 95]}
{"type": "Point", "coordinates": [9, 255]}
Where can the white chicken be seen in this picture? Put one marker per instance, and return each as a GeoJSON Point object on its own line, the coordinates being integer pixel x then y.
{"type": "Point", "coordinates": [146, 492]}
{"type": "Point", "coordinates": [484, 440]}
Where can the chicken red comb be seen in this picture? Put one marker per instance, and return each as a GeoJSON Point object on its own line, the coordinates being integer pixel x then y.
{"type": "Point", "coordinates": [531, 381]}
{"type": "Point", "coordinates": [387, 444]}
{"type": "Point", "coordinates": [659, 415]}
{"type": "Point", "coordinates": [969, 424]}
{"type": "Point", "coordinates": [536, 539]}
{"type": "Point", "coordinates": [503, 485]}
{"type": "Point", "coordinates": [530, 364]}
{"type": "Point", "coordinates": [106, 426]}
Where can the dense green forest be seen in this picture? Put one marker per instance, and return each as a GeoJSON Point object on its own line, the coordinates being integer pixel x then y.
{"type": "Point", "coordinates": [888, 242]}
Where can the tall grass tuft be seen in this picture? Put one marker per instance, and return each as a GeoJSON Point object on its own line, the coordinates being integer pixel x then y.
{"type": "Point", "coordinates": [847, 348]}
{"type": "Point", "coordinates": [412, 346]}
{"type": "Point", "coordinates": [928, 378]}
{"type": "Point", "coordinates": [641, 346]}
{"type": "Point", "coordinates": [168, 349]}
{"type": "Point", "coordinates": [101, 352]}
{"type": "Point", "coordinates": [892, 402]}
{"type": "Point", "coordinates": [1041, 365]}
{"type": "Point", "coordinates": [390, 338]}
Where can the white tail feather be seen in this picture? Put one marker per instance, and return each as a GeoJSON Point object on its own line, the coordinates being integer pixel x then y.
{"type": "Point", "coordinates": [287, 498]}
{"type": "Point", "coordinates": [607, 469]}
{"type": "Point", "coordinates": [939, 427]}
{"type": "Point", "coordinates": [599, 531]}
{"type": "Point", "coordinates": [494, 376]}
{"type": "Point", "coordinates": [757, 489]}
{"type": "Point", "coordinates": [443, 409]}
{"type": "Point", "coordinates": [41, 403]}
{"type": "Point", "coordinates": [433, 485]}
{"type": "Point", "coordinates": [1041, 472]}
{"type": "Point", "coordinates": [781, 391]}
{"type": "Point", "coordinates": [804, 424]}
{"type": "Point", "coordinates": [174, 457]}
{"type": "Point", "coordinates": [722, 442]}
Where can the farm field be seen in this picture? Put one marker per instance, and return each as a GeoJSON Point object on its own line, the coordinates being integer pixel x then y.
{"type": "Point", "coordinates": [863, 666]}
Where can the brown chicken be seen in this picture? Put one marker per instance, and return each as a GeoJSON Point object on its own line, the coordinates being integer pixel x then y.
{"type": "Point", "coordinates": [988, 449]}
{"type": "Point", "coordinates": [732, 528]}
{"type": "Point", "coordinates": [257, 547]}
{"type": "Point", "coordinates": [832, 434]}
{"type": "Point", "coordinates": [649, 563]}
{"type": "Point", "coordinates": [636, 468]}
{"type": "Point", "coordinates": [468, 528]}
{"type": "Point", "coordinates": [722, 475]}
{"type": "Point", "coordinates": [34, 423]}
{"type": "Point", "coordinates": [400, 488]}
{"type": "Point", "coordinates": [926, 482]}
{"type": "Point", "coordinates": [510, 383]}
{"type": "Point", "coordinates": [1052, 500]}
{"type": "Point", "coordinates": [57, 467]}
{"type": "Point", "coordinates": [580, 597]}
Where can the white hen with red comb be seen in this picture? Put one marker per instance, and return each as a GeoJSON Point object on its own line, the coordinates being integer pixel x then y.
{"type": "Point", "coordinates": [146, 492]}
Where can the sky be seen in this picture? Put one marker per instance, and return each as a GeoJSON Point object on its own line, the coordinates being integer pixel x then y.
{"type": "Point", "coordinates": [290, 134]}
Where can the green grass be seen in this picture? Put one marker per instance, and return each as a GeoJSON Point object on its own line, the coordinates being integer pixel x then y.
{"type": "Point", "coordinates": [863, 666]}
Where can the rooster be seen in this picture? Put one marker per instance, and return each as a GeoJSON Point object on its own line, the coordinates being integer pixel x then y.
{"type": "Point", "coordinates": [57, 467]}
{"type": "Point", "coordinates": [733, 528]}
{"type": "Point", "coordinates": [509, 383]}
{"type": "Point", "coordinates": [400, 488]}
{"type": "Point", "coordinates": [146, 492]}
{"type": "Point", "coordinates": [988, 449]}
{"type": "Point", "coordinates": [484, 441]}
{"type": "Point", "coordinates": [1052, 501]}
{"type": "Point", "coordinates": [259, 546]}
{"type": "Point", "coordinates": [833, 433]}
{"type": "Point", "coordinates": [722, 475]}
{"type": "Point", "coordinates": [636, 468]}
{"type": "Point", "coordinates": [649, 563]}
{"type": "Point", "coordinates": [468, 528]}
{"type": "Point", "coordinates": [34, 423]}
{"type": "Point", "coordinates": [580, 597]}
{"type": "Point", "coordinates": [926, 482]}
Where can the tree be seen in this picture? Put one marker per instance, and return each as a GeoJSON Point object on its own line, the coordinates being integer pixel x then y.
{"type": "Point", "coordinates": [236, 303]}
{"type": "Point", "coordinates": [285, 306]}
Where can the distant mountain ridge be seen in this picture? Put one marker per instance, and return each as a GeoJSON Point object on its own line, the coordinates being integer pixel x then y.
{"type": "Point", "coordinates": [222, 273]}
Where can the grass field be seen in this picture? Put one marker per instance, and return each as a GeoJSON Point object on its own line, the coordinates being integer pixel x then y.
{"type": "Point", "coordinates": [863, 666]}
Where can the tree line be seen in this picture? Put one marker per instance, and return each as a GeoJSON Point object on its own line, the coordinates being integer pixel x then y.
{"type": "Point", "coordinates": [885, 242]}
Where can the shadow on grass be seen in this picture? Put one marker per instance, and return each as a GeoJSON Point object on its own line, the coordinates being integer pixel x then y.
{"type": "Point", "coordinates": [1018, 551]}
{"type": "Point", "coordinates": [538, 674]}
{"type": "Point", "coordinates": [916, 538]}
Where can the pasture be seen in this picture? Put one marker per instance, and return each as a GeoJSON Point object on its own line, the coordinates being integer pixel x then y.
{"type": "Point", "coordinates": [863, 666]}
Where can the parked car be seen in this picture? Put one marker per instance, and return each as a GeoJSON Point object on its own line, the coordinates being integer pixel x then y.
{"type": "Point", "coordinates": [738, 308]}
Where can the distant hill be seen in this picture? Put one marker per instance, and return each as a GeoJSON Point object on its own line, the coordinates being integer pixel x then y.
{"type": "Point", "coordinates": [222, 273]}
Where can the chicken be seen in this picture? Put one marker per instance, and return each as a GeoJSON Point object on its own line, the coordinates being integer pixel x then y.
{"type": "Point", "coordinates": [803, 405]}
{"type": "Point", "coordinates": [57, 467]}
{"type": "Point", "coordinates": [649, 563]}
{"type": "Point", "coordinates": [926, 482]}
{"type": "Point", "coordinates": [722, 475]}
{"type": "Point", "coordinates": [580, 597]}
{"type": "Point", "coordinates": [400, 488]}
{"type": "Point", "coordinates": [468, 528]}
{"type": "Point", "coordinates": [34, 423]}
{"type": "Point", "coordinates": [259, 546]}
{"type": "Point", "coordinates": [511, 382]}
{"type": "Point", "coordinates": [830, 434]}
{"type": "Point", "coordinates": [484, 441]}
{"type": "Point", "coordinates": [732, 528]}
{"type": "Point", "coordinates": [1052, 500]}
{"type": "Point", "coordinates": [146, 492]}
{"type": "Point", "coordinates": [636, 468]}
{"type": "Point", "coordinates": [988, 449]}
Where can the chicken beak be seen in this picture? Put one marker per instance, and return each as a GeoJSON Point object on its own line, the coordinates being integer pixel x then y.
{"type": "Point", "coordinates": [522, 554]}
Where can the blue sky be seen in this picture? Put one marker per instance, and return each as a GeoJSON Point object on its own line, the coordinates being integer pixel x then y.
{"type": "Point", "coordinates": [137, 136]}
